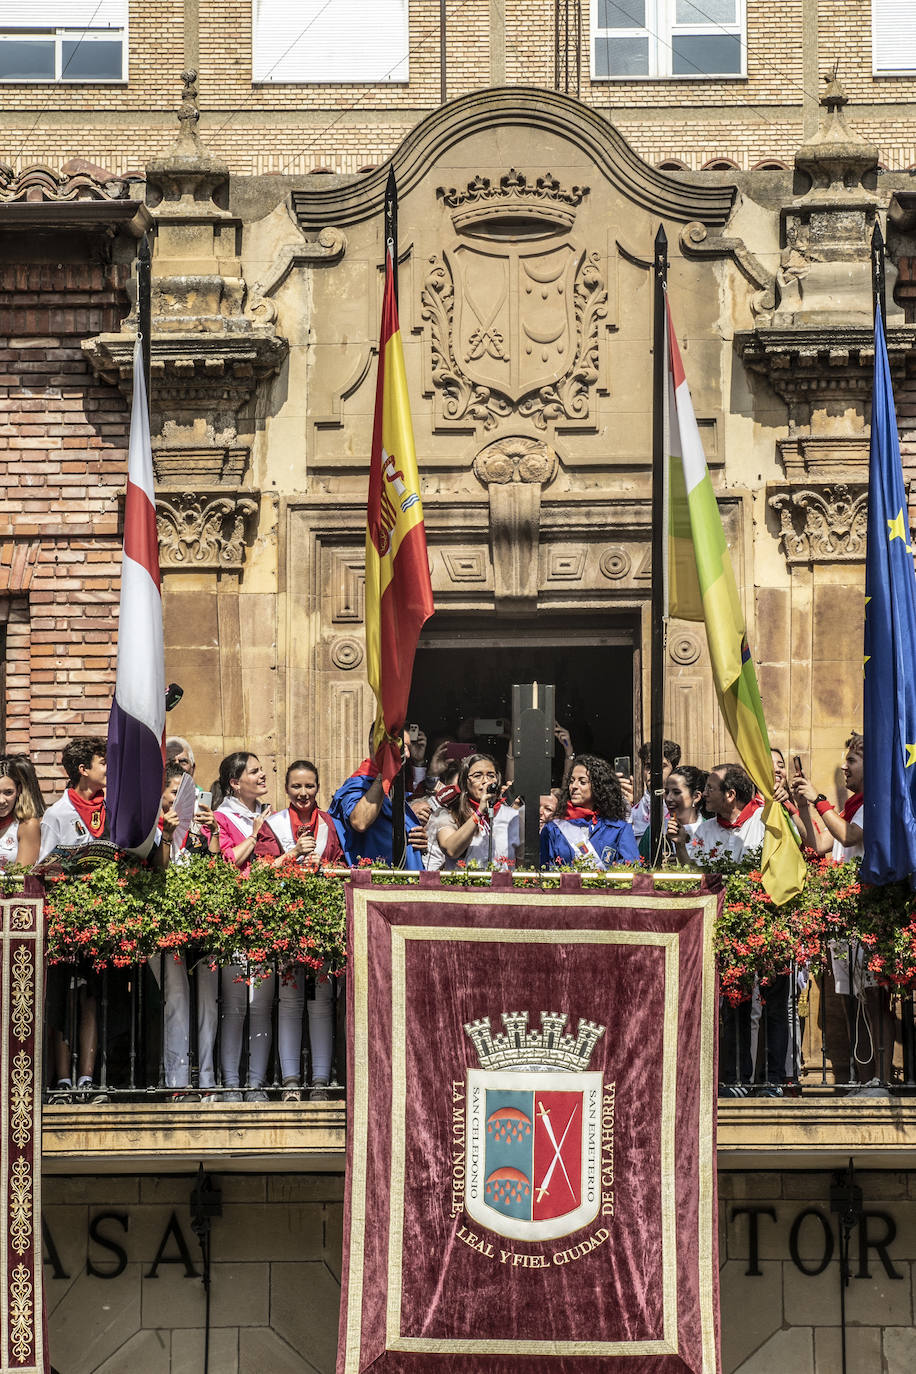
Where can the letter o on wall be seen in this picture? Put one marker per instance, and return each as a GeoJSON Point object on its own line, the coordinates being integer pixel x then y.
{"type": "Point", "coordinates": [818, 1268]}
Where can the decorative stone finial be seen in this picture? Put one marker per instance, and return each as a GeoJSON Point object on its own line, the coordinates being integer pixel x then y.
{"type": "Point", "coordinates": [834, 97]}
{"type": "Point", "coordinates": [188, 112]}
{"type": "Point", "coordinates": [837, 160]}
{"type": "Point", "coordinates": [186, 174]}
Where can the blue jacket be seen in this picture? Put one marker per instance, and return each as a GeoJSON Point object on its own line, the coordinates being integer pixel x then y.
{"type": "Point", "coordinates": [613, 841]}
{"type": "Point", "coordinates": [377, 841]}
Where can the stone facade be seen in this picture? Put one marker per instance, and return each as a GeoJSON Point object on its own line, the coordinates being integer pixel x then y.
{"type": "Point", "coordinates": [275, 1275]}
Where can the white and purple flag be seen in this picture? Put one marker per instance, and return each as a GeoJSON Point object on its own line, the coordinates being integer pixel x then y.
{"type": "Point", "coordinates": [136, 748]}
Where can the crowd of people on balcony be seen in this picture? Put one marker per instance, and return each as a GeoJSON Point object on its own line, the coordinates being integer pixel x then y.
{"type": "Point", "coordinates": [460, 811]}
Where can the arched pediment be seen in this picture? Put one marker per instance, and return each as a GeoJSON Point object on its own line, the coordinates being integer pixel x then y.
{"type": "Point", "coordinates": [677, 199]}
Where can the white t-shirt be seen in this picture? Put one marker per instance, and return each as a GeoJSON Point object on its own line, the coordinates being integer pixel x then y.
{"type": "Point", "coordinates": [507, 841]}
{"type": "Point", "coordinates": [62, 824]}
{"type": "Point", "coordinates": [732, 841]}
{"type": "Point", "coordinates": [842, 852]}
{"type": "Point", "coordinates": [9, 844]}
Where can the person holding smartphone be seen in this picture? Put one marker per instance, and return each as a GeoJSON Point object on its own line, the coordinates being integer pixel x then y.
{"type": "Point", "coordinates": [304, 830]}
{"type": "Point", "coordinates": [592, 822]}
{"type": "Point", "coordinates": [362, 812]}
{"type": "Point", "coordinates": [479, 828]}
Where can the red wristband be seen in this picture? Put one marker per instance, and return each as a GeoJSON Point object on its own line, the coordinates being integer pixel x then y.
{"type": "Point", "coordinates": [822, 807]}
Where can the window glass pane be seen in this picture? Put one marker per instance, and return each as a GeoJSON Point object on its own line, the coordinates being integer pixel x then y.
{"type": "Point", "coordinates": [706, 12]}
{"type": "Point", "coordinates": [715, 55]}
{"type": "Point", "coordinates": [621, 14]}
{"type": "Point", "coordinates": [32, 59]}
{"type": "Point", "coordinates": [90, 61]}
{"type": "Point", "coordinates": [621, 56]}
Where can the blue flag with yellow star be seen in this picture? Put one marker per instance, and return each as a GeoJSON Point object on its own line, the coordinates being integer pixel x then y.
{"type": "Point", "coordinates": [889, 708]}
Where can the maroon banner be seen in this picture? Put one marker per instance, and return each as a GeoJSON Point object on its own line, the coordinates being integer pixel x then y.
{"type": "Point", "coordinates": [531, 1131]}
{"type": "Point", "coordinates": [22, 1346]}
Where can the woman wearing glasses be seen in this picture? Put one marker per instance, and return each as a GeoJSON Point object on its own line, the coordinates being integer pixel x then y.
{"type": "Point", "coordinates": [479, 829]}
{"type": "Point", "coordinates": [20, 828]}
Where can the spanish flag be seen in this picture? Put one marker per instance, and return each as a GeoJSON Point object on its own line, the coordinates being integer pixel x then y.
{"type": "Point", "coordinates": [701, 586]}
{"type": "Point", "coordinates": [399, 595]}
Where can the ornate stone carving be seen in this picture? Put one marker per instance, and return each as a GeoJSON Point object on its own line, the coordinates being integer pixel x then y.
{"type": "Point", "coordinates": [514, 328]}
{"type": "Point", "coordinates": [697, 242]}
{"type": "Point", "coordinates": [186, 176]}
{"type": "Point", "coordinates": [346, 653]}
{"type": "Point", "coordinates": [203, 529]}
{"type": "Point", "coordinates": [546, 202]}
{"type": "Point", "coordinates": [516, 459]}
{"type": "Point", "coordinates": [615, 564]}
{"type": "Point", "coordinates": [822, 524]}
{"type": "Point", "coordinates": [684, 648]}
{"type": "Point", "coordinates": [468, 565]}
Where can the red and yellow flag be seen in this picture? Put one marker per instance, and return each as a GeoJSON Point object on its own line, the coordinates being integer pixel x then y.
{"type": "Point", "coordinates": [399, 595]}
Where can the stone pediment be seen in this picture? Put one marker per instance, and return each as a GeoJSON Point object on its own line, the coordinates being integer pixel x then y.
{"type": "Point", "coordinates": [538, 112]}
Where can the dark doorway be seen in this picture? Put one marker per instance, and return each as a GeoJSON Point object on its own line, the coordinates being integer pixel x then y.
{"type": "Point", "coordinates": [464, 672]}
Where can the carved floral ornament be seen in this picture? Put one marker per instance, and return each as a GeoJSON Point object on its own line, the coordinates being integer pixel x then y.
{"type": "Point", "coordinates": [516, 459]}
{"type": "Point", "coordinates": [824, 524]}
{"type": "Point", "coordinates": [513, 306]}
{"type": "Point", "coordinates": [200, 530]}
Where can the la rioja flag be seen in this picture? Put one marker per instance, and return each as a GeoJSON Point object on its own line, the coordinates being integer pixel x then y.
{"type": "Point", "coordinates": [136, 749]}
{"type": "Point", "coordinates": [399, 596]}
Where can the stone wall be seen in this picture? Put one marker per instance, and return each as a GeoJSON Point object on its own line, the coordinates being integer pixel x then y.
{"type": "Point", "coordinates": [276, 1275]}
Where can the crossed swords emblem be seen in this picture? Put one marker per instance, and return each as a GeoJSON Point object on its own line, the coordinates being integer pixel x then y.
{"type": "Point", "coordinates": [543, 1187]}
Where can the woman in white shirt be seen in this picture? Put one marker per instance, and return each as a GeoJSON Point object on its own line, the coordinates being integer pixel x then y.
{"type": "Point", "coordinates": [479, 828]}
{"type": "Point", "coordinates": [20, 828]}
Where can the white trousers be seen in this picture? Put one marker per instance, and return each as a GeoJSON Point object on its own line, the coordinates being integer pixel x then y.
{"type": "Point", "coordinates": [177, 1019]}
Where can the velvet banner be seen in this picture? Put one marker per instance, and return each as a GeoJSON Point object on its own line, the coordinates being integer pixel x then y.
{"type": "Point", "coordinates": [22, 1342]}
{"type": "Point", "coordinates": [531, 1131]}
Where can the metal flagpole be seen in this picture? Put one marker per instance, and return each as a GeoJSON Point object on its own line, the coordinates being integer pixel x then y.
{"type": "Point", "coordinates": [659, 607]}
{"type": "Point", "coordinates": [145, 306]}
{"type": "Point", "coordinates": [398, 800]}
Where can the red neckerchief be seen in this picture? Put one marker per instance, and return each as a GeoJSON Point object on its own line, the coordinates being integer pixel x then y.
{"type": "Point", "coordinates": [370, 769]}
{"type": "Point", "coordinates": [485, 818]}
{"type": "Point", "coordinates": [5, 825]}
{"type": "Point", "coordinates": [580, 813]}
{"type": "Point", "coordinates": [852, 806]}
{"type": "Point", "coordinates": [306, 822]}
{"type": "Point", "coordinates": [753, 805]}
{"type": "Point", "coordinates": [91, 810]}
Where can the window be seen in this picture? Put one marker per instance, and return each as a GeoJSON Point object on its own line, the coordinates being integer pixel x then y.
{"type": "Point", "coordinates": [63, 40]}
{"type": "Point", "coordinates": [893, 38]}
{"type": "Point", "coordinates": [329, 41]}
{"type": "Point", "coordinates": [665, 38]}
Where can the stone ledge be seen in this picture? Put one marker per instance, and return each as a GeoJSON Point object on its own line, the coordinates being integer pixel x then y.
{"type": "Point", "coordinates": [173, 1138]}
{"type": "Point", "coordinates": [311, 1136]}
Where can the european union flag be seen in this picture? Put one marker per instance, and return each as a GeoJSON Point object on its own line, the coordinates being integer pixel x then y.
{"type": "Point", "coordinates": [889, 715]}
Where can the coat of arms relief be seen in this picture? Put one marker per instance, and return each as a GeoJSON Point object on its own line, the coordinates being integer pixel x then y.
{"type": "Point", "coordinates": [513, 306]}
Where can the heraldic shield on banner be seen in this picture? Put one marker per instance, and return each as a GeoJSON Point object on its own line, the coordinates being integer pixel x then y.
{"type": "Point", "coordinates": [534, 1128]}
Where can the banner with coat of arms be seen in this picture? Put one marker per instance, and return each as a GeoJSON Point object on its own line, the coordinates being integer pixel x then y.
{"type": "Point", "coordinates": [531, 1131]}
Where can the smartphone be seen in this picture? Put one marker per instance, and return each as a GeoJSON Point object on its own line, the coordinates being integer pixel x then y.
{"type": "Point", "coordinates": [414, 733]}
{"type": "Point", "coordinates": [459, 751]}
{"type": "Point", "coordinates": [205, 799]}
{"type": "Point", "coordinates": [489, 727]}
{"type": "Point", "coordinates": [622, 765]}
{"type": "Point", "coordinates": [796, 760]}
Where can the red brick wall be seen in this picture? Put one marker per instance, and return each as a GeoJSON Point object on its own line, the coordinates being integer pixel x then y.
{"type": "Point", "coordinates": [63, 461]}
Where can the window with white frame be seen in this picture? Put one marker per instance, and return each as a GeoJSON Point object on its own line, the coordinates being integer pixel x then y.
{"type": "Point", "coordinates": [667, 38]}
{"type": "Point", "coordinates": [321, 41]}
{"type": "Point", "coordinates": [63, 40]}
{"type": "Point", "coordinates": [893, 37]}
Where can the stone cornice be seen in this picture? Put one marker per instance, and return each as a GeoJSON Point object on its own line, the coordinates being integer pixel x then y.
{"type": "Point", "coordinates": [538, 111]}
{"type": "Point", "coordinates": [192, 369]}
{"type": "Point", "coordinates": [801, 363]}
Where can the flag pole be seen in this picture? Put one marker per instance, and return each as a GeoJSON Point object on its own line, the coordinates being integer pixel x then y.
{"type": "Point", "coordinates": [659, 606]}
{"type": "Point", "coordinates": [398, 798]}
{"type": "Point", "coordinates": [145, 306]}
{"type": "Point", "coordinates": [878, 291]}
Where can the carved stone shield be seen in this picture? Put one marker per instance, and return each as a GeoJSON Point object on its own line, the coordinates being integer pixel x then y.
{"type": "Point", "coordinates": [514, 324]}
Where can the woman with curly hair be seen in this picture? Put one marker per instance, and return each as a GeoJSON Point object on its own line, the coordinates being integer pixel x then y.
{"type": "Point", "coordinates": [591, 824]}
{"type": "Point", "coordinates": [478, 828]}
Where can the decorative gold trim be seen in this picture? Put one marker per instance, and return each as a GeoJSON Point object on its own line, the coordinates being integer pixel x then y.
{"type": "Point", "coordinates": [360, 1136]}
{"type": "Point", "coordinates": [20, 918]}
{"type": "Point", "coordinates": [20, 1299]}
{"type": "Point", "coordinates": [706, 1161]}
{"type": "Point", "coordinates": [20, 1206]}
{"type": "Point", "coordinates": [23, 992]}
{"type": "Point", "coordinates": [21, 1100]}
{"type": "Point", "coordinates": [493, 935]}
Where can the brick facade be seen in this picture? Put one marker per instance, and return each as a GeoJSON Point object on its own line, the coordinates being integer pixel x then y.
{"type": "Point", "coordinates": [63, 459]}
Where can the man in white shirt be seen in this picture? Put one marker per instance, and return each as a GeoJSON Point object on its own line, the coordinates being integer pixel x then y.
{"type": "Point", "coordinates": [736, 824]}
